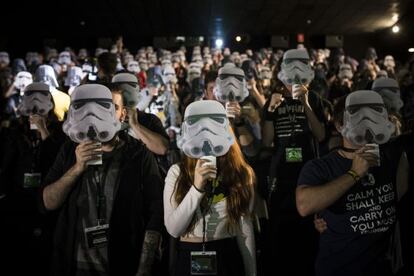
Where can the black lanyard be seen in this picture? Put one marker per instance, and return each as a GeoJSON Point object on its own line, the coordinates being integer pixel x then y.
{"type": "Point", "coordinates": [35, 147]}
{"type": "Point", "coordinates": [98, 178]}
{"type": "Point", "coordinates": [210, 195]}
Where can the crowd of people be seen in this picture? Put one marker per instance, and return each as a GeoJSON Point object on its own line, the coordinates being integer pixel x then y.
{"type": "Point", "coordinates": [106, 162]}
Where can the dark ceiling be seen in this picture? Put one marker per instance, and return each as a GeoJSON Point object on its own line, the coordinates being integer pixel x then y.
{"type": "Point", "coordinates": [203, 17]}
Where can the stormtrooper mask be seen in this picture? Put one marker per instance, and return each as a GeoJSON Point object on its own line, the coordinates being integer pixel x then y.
{"type": "Point", "coordinates": [198, 59]}
{"type": "Point", "coordinates": [366, 119]}
{"type": "Point", "coordinates": [382, 74]}
{"type": "Point", "coordinates": [133, 67]}
{"type": "Point", "coordinates": [265, 73]}
{"type": "Point", "coordinates": [168, 75]}
{"type": "Point", "coordinates": [127, 58]}
{"type": "Point", "coordinates": [165, 63]}
{"type": "Point", "coordinates": [205, 130]}
{"type": "Point", "coordinates": [176, 58]}
{"type": "Point", "coordinates": [143, 64]}
{"type": "Point", "coordinates": [4, 58]}
{"type": "Point", "coordinates": [36, 100]}
{"type": "Point", "coordinates": [345, 71]}
{"type": "Point", "coordinates": [64, 58]}
{"type": "Point", "coordinates": [22, 80]}
{"type": "Point", "coordinates": [73, 78]}
{"type": "Point", "coordinates": [295, 68]}
{"type": "Point", "coordinates": [46, 74]}
{"type": "Point", "coordinates": [194, 71]}
{"type": "Point", "coordinates": [128, 83]}
{"type": "Point", "coordinates": [149, 50]}
{"type": "Point", "coordinates": [207, 59]}
{"type": "Point", "coordinates": [182, 55]}
{"type": "Point", "coordinates": [389, 61]}
{"type": "Point", "coordinates": [91, 114]}
{"type": "Point", "coordinates": [231, 84]}
{"type": "Point", "coordinates": [99, 51]}
{"type": "Point", "coordinates": [390, 92]}
{"type": "Point", "coordinates": [152, 58]}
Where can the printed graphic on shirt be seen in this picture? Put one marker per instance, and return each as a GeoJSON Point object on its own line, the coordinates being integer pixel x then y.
{"type": "Point", "coordinates": [290, 119]}
{"type": "Point", "coordinates": [373, 209]}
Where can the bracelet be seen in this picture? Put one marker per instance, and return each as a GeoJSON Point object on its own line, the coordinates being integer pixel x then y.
{"type": "Point", "coordinates": [354, 175]}
{"type": "Point", "coordinates": [201, 191]}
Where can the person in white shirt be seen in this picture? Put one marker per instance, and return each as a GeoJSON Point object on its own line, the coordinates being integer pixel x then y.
{"type": "Point", "coordinates": [208, 198]}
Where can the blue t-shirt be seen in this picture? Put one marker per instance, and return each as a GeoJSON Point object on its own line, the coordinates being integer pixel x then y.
{"type": "Point", "coordinates": [360, 222]}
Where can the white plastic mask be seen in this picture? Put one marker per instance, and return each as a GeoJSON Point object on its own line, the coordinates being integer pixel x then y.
{"type": "Point", "coordinates": [295, 68]}
{"type": "Point", "coordinates": [143, 64]}
{"type": "Point", "coordinates": [390, 92]}
{"type": "Point", "coordinates": [4, 58]}
{"type": "Point", "coordinates": [165, 63]}
{"type": "Point", "coordinates": [366, 119]}
{"type": "Point", "coordinates": [265, 73]}
{"type": "Point", "coordinates": [133, 67]}
{"type": "Point", "coordinates": [205, 130]}
{"type": "Point", "coordinates": [168, 75]}
{"type": "Point", "coordinates": [129, 86]}
{"type": "Point", "coordinates": [22, 80]}
{"type": "Point", "coordinates": [231, 84]}
{"type": "Point", "coordinates": [345, 71]}
{"type": "Point", "coordinates": [46, 74]}
{"type": "Point", "coordinates": [91, 114]}
{"type": "Point", "coordinates": [65, 58]}
{"type": "Point", "coordinates": [194, 71]}
{"type": "Point", "coordinates": [208, 59]}
{"type": "Point", "coordinates": [36, 100]}
{"type": "Point", "coordinates": [144, 99]}
{"type": "Point", "coordinates": [389, 61]}
{"type": "Point", "coordinates": [73, 78]}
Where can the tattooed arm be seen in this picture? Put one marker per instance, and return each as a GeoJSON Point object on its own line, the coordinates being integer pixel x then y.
{"type": "Point", "coordinates": [149, 247]}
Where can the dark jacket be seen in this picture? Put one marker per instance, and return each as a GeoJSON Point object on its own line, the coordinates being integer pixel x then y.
{"type": "Point", "coordinates": [137, 207]}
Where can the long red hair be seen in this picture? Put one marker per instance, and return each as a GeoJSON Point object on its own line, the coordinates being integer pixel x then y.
{"type": "Point", "coordinates": [237, 176]}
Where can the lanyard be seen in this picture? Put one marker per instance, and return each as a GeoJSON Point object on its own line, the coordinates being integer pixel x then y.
{"type": "Point", "coordinates": [210, 196]}
{"type": "Point", "coordinates": [98, 178]}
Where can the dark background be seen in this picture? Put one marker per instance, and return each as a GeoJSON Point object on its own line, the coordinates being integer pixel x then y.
{"type": "Point", "coordinates": [357, 23]}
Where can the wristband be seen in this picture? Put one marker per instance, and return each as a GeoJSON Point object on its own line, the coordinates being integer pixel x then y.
{"type": "Point", "coordinates": [201, 191]}
{"type": "Point", "coordinates": [354, 175]}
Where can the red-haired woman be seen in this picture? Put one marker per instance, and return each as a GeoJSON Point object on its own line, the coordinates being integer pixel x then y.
{"type": "Point", "coordinates": [213, 224]}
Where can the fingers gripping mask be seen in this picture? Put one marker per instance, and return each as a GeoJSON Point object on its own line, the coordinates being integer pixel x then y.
{"type": "Point", "coordinates": [345, 72]}
{"type": "Point", "coordinates": [205, 130]}
{"type": "Point", "coordinates": [390, 92]}
{"type": "Point", "coordinates": [295, 68]}
{"type": "Point", "coordinates": [168, 75]}
{"type": "Point", "coordinates": [366, 119]}
{"type": "Point", "coordinates": [73, 78]}
{"type": "Point", "coordinates": [65, 58]}
{"type": "Point", "coordinates": [265, 73]}
{"type": "Point", "coordinates": [133, 67]}
{"type": "Point", "coordinates": [91, 114]}
{"type": "Point", "coordinates": [36, 100]}
{"type": "Point", "coordinates": [22, 80]}
{"type": "Point", "coordinates": [128, 83]}
{"type": "Point", "coordinates": [231, 84]}
{"type": "Point", "coordinates": [46, 74]}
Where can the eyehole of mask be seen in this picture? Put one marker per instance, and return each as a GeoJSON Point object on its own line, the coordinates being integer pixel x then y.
{"type": "Point", "coordinates": [78, 105]}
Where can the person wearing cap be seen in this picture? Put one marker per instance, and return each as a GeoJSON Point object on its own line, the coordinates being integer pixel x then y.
{"type": "Point", "coordinates": [106, 191]}
{"type": "Point", "coordinates": [29, 151]}
{"type": "Point", "coordinates": [355, 190]}
{"type": "Point", "coordinates": [293, 127]}
{"type": "Point", "coordinates": [143, 126]}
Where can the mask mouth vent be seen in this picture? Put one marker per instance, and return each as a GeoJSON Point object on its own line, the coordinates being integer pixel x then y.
{"type": "Point", "coordinates": [91, 134]}
{"type": "Point", "coordinates": [206, 149]}
{"type": "Point", "coordinates": [369, 137]}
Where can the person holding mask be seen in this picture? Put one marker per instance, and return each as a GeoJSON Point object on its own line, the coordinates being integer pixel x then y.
{"type": "Point", "coordinates": [106, 190]}
{"type": "Point", "coordinates": [355, 191]}
{"type": "Point", "coordinates": [208, 197]}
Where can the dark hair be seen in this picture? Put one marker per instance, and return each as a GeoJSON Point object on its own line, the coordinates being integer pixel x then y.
{"type": "Point", "coordinates": [338, 111]}
{"type": "Point", "coordinates": [107, 63]}
{"type": "Point", "coordinates": [211, 76]}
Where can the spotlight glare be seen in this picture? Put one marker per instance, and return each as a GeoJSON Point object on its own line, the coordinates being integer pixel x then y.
{"type": "Point", "coordinates": [238, 38]}
{"type": "Point", "coordinates": [411, 50]}
{"type": "Point", "coordinates": [219, 43]}
{"type": "Point", "coordinates": [395, 29]}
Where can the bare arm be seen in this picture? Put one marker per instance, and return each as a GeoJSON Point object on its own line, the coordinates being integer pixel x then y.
{"type": "Point", "coordinates": [151, 243]}
{"type": "Point", "coordinates": [55, 194]}
{"type": "Point", "coordinates": [154, 141]}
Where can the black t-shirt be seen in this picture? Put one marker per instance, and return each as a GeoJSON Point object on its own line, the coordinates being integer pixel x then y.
{"type": "Point", "coordinates": [151, 122]}
{"type": "Point", "coordinates": [360, 222]}
{"type": "Point", "coordinates": [291, 130]}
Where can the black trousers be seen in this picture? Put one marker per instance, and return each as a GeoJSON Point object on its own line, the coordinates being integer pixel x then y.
{"type": "Point", "coordinates": [229, 259]}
